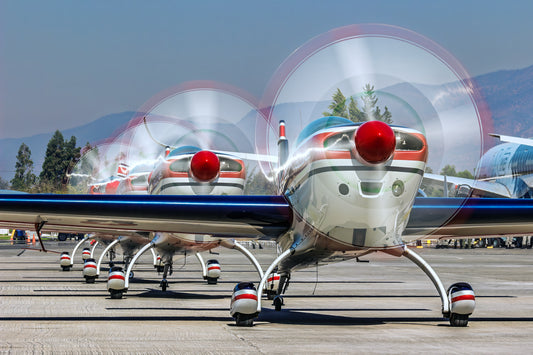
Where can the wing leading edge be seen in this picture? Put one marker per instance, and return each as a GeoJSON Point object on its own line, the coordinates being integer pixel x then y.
{"type": "Point", "coordinates": [470, 217]}
{"type": "Point", "coordinates": [224, 216]}
{"type": "Point", "coordinates": [247, 216]}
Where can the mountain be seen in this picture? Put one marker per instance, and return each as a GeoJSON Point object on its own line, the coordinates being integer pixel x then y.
{"type": "Point", "coordinates": [508, 93]}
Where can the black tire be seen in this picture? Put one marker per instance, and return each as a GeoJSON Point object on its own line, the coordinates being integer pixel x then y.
{"type": "Point", "coordinates": [212, 281]}
{"type": "Point", "coordinates": [131, 275]}
{"type": "Point", "coordinates": [270, 294]}
{"type": "Point", "coordinates": [90, 280]}
{"type": "Point", "coordinates": [458, 320]}
{"type": "Point", "coordinates": [116, 295]}
{"type": "Point", "coordinates": [244, 323]}
{"type": "Point", "coordinates": [164, 285]}
{"type": "Point", "coordinates": [65, 268]}
{"type": "Point", "coordinates": [278, 302]}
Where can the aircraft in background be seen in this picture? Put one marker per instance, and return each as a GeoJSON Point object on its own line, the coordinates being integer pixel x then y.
{"type": "Point", "coordinates": [505, 170]}
{"type": "Point", "coordinates": [191, 164]}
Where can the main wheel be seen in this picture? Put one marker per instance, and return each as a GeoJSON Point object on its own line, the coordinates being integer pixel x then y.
{"type": "Point", "coordinates": [212, 280]}
{"type": "Point", "coordinates": [458, 320]}
{"type": "Point", "coordinates": [244, 323]}
{"type": "Point", "coordinates": [164, 285]}
{"type": "Point", "coordinates": [90, 280]}
{"type": "Point", "coordinates": [278, 302]}
{"type": "Point", "coordinates": [116, 295]}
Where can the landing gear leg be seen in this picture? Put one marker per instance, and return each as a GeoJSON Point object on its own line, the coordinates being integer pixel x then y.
{"type": "Point", "coordinates": [458, 303]}
{"type": "Point", "coordinates": [166, 271]}
{"type": "Point", "coordinates": [110, 249]}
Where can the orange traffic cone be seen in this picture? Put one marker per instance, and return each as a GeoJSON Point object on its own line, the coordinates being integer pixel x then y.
{"type": "Point", "coordinates": [33, 240]}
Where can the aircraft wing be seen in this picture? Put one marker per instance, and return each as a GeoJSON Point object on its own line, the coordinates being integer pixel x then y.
{"type": "Point", "coordinates": [511, 139]}
{"type": "Point", "coordinates": [471, 217]}
{"type": "Point", "coordinates": [224, 216]}
{"type": "Point", "coordinates": [475, 187]}
{"type": "Point", "coordinates": [247, 216]}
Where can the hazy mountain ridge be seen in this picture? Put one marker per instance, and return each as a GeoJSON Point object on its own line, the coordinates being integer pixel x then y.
{"type": "Point", "coordinates": [508, 93]}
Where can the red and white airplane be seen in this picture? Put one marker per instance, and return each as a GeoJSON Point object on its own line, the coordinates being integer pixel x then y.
{"type": "Point", "coordinates": [349, 189]}
{"type": "Point", "coordinates": [178, 117]}
{"type": "Point", "coordinates": [344, 188]}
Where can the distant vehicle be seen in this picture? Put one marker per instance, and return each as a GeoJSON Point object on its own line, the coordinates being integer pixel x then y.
{"type": "Point", "coordinates": [19, 236]}
{"type": "Point", "coordinates": [64, 236]}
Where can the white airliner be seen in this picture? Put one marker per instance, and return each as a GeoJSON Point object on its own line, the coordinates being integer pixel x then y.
{"type": "Point", "coordinates": [505, 170]}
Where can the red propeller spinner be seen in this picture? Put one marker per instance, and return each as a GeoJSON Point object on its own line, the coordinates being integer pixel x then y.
{"type": "Point", "coordinates": [375, 142]}
{"type": "Point", "coordinates": [205, 166]}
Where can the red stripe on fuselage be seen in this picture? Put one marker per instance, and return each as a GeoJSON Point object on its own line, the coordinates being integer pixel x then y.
{"type": "Point", "coordinates": [273, 278]}
{"type": "Point", "coordinates": [213, 268]}
{"type": "Point", "coordinates": [118, 277]}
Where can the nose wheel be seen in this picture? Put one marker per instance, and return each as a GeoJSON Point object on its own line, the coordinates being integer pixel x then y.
{"type": "Point", "coordinates": [278, 303]}
{"type": "Point", "coordinates": [163, 284]}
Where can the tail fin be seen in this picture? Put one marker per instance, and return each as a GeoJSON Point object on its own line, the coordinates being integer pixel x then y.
{"type": "Point", "coordinates": [123, 170]}
{"type": "Point", "coordinates": [283, 145]}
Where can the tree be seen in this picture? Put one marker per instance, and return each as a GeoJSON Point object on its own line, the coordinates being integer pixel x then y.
{"type": "Point", "coordinates": [370, 109]}
{"type": "Point", "coordinates": [369, 101]}
{"type": "Point", "coordinates": [60, 158]}
{"type": "Point", "coordinates": [354, 114]}
{"type": "Point", "coordinates": [337, 106]}
{"type": "Point", "coordinates": [4, 185]}
{"type": "Point", "coordinates": [449, 170]}
{"type": "Point", "coordinates": [24, 179]}
{"type": "Point", "coordinates": [386, 116]}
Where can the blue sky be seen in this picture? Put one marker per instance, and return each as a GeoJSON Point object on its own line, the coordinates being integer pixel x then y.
{"type": "Point", "coordinates": [66, 63]}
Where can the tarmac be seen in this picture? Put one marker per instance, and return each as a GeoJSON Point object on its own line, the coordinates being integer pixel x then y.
{"type": "Point", "coordinates": [386, 305]}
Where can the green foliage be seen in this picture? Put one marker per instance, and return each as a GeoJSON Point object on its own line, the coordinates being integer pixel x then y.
{"type": "Point", "coordinates": [465, 174]}
{"type": "Point", "coordinates": [4, 185]}
{"type": "Point", "coordinates": [24, 179]}
{"type": "Point", "coordinates": [60, 158]}
{"type": "Point", "coordinates": [337, 106]}
{"type": "Point", "coordinates": [449, 170]}
{"type": "Point", "coordinates": [369, 99]}
{"type": "Point", "coordinates": [352, 112]}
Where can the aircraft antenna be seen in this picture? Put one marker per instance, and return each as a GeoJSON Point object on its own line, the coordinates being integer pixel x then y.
{"type": "Point", "coordinates": [152, 137]}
